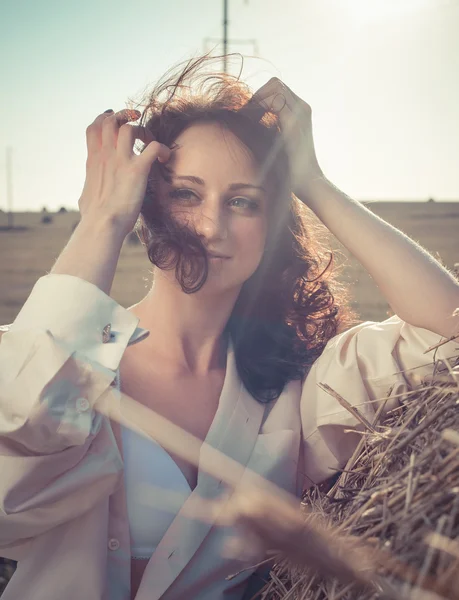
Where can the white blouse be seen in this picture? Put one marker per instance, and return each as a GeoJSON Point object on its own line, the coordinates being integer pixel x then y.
{"type": "Point", "coordinates": [62, 489]}
{"type": "Point", "coordinates": [148, 466]}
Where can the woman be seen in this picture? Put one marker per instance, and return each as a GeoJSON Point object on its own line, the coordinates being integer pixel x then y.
{"type": "Point", "coordinates": [238, 328]}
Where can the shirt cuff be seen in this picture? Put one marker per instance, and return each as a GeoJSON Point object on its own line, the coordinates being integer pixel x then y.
{"type": "Point", "coordinates": [76, 312]}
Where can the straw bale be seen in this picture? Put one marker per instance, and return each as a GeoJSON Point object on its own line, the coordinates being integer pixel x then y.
{"type": "Point", "coordinates": [400, 493]}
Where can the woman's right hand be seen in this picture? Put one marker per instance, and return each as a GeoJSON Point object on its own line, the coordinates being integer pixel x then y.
{"type": "Point", "coordinates": [116, 178]}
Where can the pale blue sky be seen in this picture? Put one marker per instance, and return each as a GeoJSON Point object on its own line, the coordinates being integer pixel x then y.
{"type": "Point", "coordinates": [382, 77]}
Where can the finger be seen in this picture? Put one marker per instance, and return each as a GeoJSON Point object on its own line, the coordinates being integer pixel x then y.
{"type": "Point", "coordinates": [128, 134]}
{"type": "Point", "coordinates": [154, 151]}
{"type": "Point", "coordinates": [281, 103]}
{"type": "Point", "coordinates": [273, 103]}
{"type": "Point", "coordinates": [291, 111]}
{"type": "Point", "coordinates": [255, 109]}
{"type": "Point", "coordinates": [275, 88]}
{"type": "Point", "coordinates": [111, 127]}
{"type": "Point", "coordinates": [271, 87]}
{"type": "Point", "coordinates": [143, 134]}
{"type": "Point", "coordinates": [94, 132]}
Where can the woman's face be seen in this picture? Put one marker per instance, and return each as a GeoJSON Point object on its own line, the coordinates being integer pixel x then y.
{"type": "Point", "coordinates": [230, 218]}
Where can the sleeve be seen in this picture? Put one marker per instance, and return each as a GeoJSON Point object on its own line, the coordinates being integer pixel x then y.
{"type": "Point", "coordinates": [58, 455]}
{"type": "Point", "coordinates": [361, 365]}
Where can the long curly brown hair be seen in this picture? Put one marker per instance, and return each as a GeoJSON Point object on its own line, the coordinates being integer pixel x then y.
{"type": "Point", "coordinates": [293, 304]}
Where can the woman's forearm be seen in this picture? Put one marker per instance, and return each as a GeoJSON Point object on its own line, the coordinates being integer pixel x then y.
{"type": "Point", "coordinates": [419, 290]}
{"type": "Point", "coordinates": [92, 253]}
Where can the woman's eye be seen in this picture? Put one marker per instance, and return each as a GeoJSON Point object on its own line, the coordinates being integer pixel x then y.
{"type": "Point", "coordinates": [245, 203]}
{"type": "Point", "coordinates": [188, 195]}
{"type": "Point", "coordinates": [181, 194]}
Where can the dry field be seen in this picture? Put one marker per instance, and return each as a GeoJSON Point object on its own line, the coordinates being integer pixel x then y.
{"type": "Point", "coordinates": [29, 253]}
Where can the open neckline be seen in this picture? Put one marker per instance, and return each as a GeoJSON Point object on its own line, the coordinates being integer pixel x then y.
{"type": "Point", "coordinates": [166, 453]}
{"type": "Point", "coordinates": [214, 426]}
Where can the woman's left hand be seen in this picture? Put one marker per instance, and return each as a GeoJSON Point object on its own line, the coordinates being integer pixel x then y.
{"type": "Point", "coordinates": [296, 127]}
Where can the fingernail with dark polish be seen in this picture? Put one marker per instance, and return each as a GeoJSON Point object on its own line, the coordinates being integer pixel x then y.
{"type": "Point", "coordinates": [108, 111]}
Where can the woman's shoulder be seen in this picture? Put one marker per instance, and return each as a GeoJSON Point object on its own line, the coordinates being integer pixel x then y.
{"type": "Point", "coordinates": [371, 338]}
{"type": "Point", "coordinates": [373, 354]}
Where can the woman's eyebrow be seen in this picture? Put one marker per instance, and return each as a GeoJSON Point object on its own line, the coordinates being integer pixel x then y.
{"type": "Point", "coordinates": [199, 181]}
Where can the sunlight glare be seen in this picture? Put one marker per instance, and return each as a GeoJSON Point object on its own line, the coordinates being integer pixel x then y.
{"type": "Point", "coordinates": [364, 11]}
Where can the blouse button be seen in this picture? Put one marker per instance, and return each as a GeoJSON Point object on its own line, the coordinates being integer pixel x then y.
{"type": "Point", "coordinates": [113, 544]}
{"type": "Point", "coordinates": [82, 404]}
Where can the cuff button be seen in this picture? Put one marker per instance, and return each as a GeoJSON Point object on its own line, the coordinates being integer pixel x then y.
{"type": "Point", "coordinates": [113, 544]}
{"type": "Point", "coordinates": [82, 404]}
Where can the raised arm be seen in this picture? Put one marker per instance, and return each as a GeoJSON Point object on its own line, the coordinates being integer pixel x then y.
{"type": "Point", "coordinates": [112, 196]}
{"type": "Point", "coordinates": [58, 359]}
{"type": "Point", "coordinates": [417, 287]}
{"type": "Point", "coordinates": [419, 290]}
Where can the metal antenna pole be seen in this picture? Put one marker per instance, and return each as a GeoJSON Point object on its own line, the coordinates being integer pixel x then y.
{"type": "Point", "coordinates": [225, 33]}
{"type": "Point", "coordinates": [225, 37]}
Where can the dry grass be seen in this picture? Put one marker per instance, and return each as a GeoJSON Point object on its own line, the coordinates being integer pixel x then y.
{"type": "Point", "coordinates": [400, 493]}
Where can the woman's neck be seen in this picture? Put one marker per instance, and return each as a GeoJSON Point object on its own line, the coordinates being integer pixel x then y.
{"type": "Point", "coordinates": [186, 330]}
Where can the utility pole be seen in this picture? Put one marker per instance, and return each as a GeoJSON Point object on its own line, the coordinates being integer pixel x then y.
{"type": "Point", "coordinates": [225, 37]}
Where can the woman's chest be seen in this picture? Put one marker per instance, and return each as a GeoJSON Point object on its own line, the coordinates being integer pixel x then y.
{"type": "Point", "coordinates": [188, 402]}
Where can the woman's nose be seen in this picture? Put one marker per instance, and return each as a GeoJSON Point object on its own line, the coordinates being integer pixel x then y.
{"type": "Point", "coordinates": [211, 224]}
